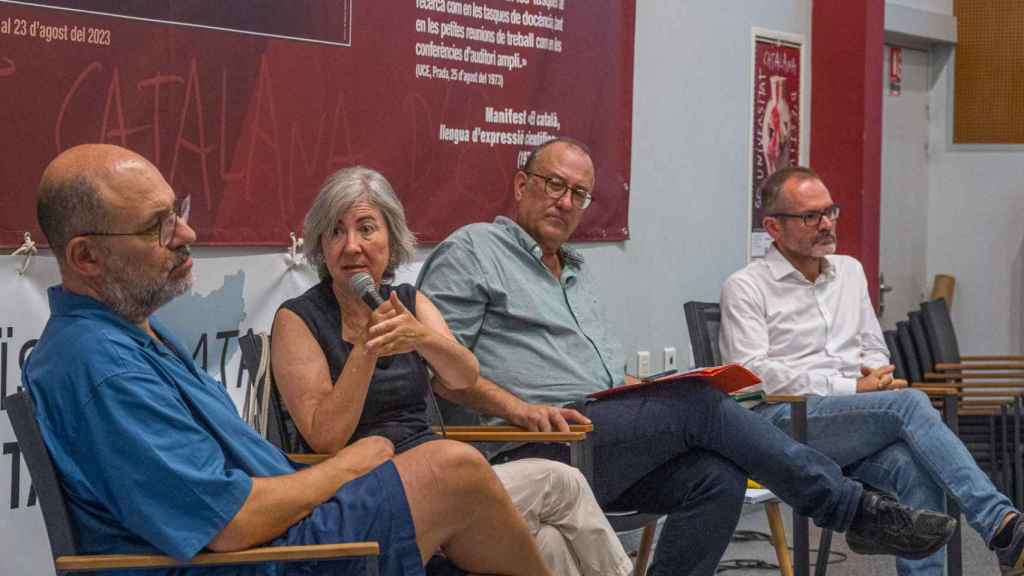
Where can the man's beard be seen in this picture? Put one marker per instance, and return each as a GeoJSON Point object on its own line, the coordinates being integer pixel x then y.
{"type": "Point", "coordinates": [823, 246]}
{"type": "Point", "coordinates": [130, 294]}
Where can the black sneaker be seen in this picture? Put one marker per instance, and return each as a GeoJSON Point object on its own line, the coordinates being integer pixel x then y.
{"type": "Point", "coordinates": [441, 566]}
{"type": "Point", "coordinates": [1011, 558]}
{"type": "Point", "coordinates": [884, 526]}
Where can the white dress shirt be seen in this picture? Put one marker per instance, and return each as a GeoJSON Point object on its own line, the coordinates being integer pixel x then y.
{"type": "Point", "coordinates": [801, 337]}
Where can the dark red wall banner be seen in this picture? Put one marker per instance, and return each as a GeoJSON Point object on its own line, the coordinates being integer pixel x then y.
{"type": "Point", "coordinates": [247, 105]}
{"type": "Point", "coordinates": [777, 121]}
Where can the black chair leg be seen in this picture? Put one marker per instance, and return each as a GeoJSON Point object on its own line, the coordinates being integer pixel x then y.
{"type": "Point", "coordinates": [954, 550]}
{"type": "Point", "coordinates": [581, 458]}
{"type": "Point", "coordinates": [1004, 424]}
{"type": "Point", "coordinates": [801, 526]}
{"type": "Point", "coordinates": [1018, 464]}
{"type": "Point", "coordinates": [996, 472]}
{"type": "Point", "coordinates": [824, 550]}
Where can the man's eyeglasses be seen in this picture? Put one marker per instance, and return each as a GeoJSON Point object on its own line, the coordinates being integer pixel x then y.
{"type": "Point", "coordinates": [555, 188]}
{"type": "Point", "coordinates": [162, 229]}
{"type": "Point", "coordinates": [812, 219]}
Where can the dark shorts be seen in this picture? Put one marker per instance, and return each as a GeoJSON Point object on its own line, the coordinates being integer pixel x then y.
{"type": "Point", "coordinates": [372, 507]}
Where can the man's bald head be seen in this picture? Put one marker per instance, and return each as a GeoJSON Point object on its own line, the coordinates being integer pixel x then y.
{"type": "Point", "coordinates": [83, 189]}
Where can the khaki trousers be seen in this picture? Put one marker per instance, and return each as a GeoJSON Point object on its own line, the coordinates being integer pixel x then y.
{"type": "Point", "coordinates": [571, 530]}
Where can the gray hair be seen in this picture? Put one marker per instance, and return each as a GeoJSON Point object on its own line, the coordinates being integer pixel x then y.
{"type": "Point", "coordinates": [772, 198]}
{"type": "Point", "coordinates": [70, 207]}
{"type": "Point", "coordinates": [341, 191]}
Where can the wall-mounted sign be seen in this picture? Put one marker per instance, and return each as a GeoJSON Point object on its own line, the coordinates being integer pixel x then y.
{"type": "Point", "coordinates": [895, 70]}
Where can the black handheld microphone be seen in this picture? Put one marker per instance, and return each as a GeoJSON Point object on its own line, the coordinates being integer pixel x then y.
{"type": "Point", "coordinates": [362, 284]}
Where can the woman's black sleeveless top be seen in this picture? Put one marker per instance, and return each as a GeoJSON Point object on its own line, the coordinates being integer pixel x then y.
{"type": "Point", "coordinates": [395, 405]}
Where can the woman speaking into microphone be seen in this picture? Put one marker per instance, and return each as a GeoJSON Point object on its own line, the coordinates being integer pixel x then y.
{"type": "Point", "coordinates": [350, 358]}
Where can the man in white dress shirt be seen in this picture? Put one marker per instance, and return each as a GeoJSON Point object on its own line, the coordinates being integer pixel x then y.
{"type": "Point", "coordinates": [802, 320]}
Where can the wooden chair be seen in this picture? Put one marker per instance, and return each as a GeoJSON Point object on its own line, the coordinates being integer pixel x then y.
{"type": "Point", "coordinates": [63, 546]}
{"type": "Point", "coordinates": [703, 321]}
{"type": "Point", "coordinates": [273, 421]}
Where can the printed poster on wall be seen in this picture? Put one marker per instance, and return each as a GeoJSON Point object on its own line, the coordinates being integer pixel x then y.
{"type": "Point", "coordinates": [247, 105]}
{"type": "Point", "coordinates": [777, 121]}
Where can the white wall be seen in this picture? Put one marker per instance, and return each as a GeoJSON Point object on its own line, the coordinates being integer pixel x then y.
{"type": "Point", "coordinates": [688, 205]}
{"type": "Point", "coordinates": [976, 228]}
{"type": "Point", "coordinates": [974, 209]}
{"type": "Point", "coordinates": [689, 192]}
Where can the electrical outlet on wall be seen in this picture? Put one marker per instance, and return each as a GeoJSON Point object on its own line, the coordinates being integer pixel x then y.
{"type": "Point", "coordinates": [643, 364]}
{"type": "Point", "coordinates": [668, 359]}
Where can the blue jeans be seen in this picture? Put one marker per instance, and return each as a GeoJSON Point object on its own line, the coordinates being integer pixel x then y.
{"type": "Point", "coordinates": [686, 451]}
{"type": "Point", "coordinates": [897, 442]}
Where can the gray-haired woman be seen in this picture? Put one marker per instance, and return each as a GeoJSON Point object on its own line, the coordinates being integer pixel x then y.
{"type": "Point", "coordinates": [346, 372]}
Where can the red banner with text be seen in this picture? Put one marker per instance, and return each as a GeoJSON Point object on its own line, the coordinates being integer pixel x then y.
{"type": "Point", "coordinates": [246, 106]}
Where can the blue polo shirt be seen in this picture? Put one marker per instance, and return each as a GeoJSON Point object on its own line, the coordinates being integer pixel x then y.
{"type": "Point", "coordinates": [150, 450]}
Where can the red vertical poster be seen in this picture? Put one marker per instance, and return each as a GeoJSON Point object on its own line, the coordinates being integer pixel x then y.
{"type": "Point", "coordinates": [895, 70]}
{"type": "Point", "coordinates": [777, 119]}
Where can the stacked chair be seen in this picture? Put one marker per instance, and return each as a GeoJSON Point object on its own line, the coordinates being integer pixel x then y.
{"type": "Point", "coordinates": [994, 383]}
{"type": "Point", "coordinates": [977, 416]}
{"type": "Point", "coordinates": [264, 409]}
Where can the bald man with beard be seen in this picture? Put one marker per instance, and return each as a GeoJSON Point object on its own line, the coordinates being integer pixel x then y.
{"type": "Point", "coordinates": [150, 450]}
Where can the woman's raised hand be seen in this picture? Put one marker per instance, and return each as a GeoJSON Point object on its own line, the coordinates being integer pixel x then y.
{"type": "Point", "coordinates": [394, 330]}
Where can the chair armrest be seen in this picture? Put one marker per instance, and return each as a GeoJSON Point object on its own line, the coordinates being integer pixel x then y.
{"type": "Point", "coordinates": [577, 433]}
{"type": "Point", "coordinates": [971, 392]}
{"type": "Point", "coordinates": [788, 398]}
{"type": "Point", "coordinates": [91, 563]}
{"type": "Point", "coordinates": [935, 390]}
{"type": "Point", "coordinates": [973, 384]}
{"type": "Point", "coordinates": [992, 358]}
{"type": "Point", "coordinates": [307, 458]}
{"type": "Point", "coordinates": [945, 369]}
{"type": "Point", "coordinates": [516, 436]}
{"type": "Point", "coordinates": [506, 428]}
{"type": "Point", "coordinates": [498, 433]}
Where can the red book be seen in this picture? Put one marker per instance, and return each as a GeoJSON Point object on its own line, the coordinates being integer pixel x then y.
{"type": "Point", "coordinates": [728, 379]}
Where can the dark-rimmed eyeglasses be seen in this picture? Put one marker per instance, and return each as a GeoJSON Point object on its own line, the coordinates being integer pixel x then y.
{"type": "Point", "coordinates": [555, 188]}
{"type": "Point", "coordinates": [163, 229]}
{"type": "Point", "coordinates": [812, 219]}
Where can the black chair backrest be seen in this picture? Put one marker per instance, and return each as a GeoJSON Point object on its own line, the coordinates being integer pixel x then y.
{"type": "Point", "coordinates": [45, 482]}
{"type": "Point", "coordinates": [924, 352]}
{"type": "Point", "coordinates": [895, 354]}
{"type": "Point", "coordinates": [908, 351]}
{"type": "Point", "coordinates": [703, 321]}
{"type": "Point", "coordinates": [281, 429]}
{"type": "Point", "coordinates": [938, 327]}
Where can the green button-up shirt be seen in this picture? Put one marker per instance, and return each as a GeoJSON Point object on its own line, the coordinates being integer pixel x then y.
{"type": "Point", "coordinates": [541, 338]}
